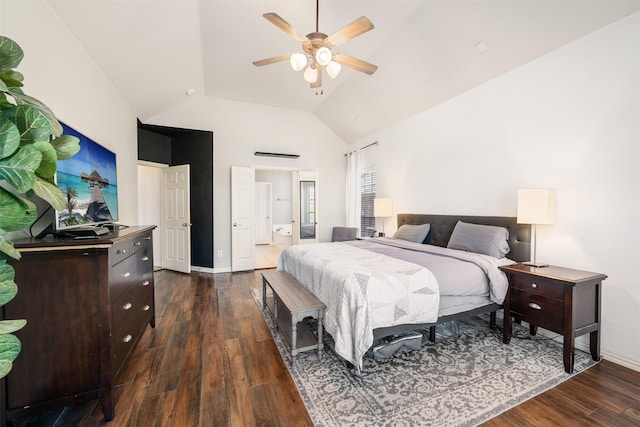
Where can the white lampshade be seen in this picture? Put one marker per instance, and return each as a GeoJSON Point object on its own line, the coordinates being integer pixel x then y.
{"type": "Point", "coordinates": [323, 56]}
{"type": "Point", "coordinates": [382, 207]}
{"type": "Point", "coordinates": [333, 69]}
{"type": "Point", "coordinates": [537, 206]}
{"type": "Point", "coordinates": [298, 61]}
{"type": "Point", "coordinates": [311, 74]}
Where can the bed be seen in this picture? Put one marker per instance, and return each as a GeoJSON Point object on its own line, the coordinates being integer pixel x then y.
{"type": "Point", "coordinates": [378, 287]}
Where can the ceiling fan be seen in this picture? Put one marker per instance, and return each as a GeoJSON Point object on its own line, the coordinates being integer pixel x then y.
{"type": "Point", "coordinates": [317, 48]}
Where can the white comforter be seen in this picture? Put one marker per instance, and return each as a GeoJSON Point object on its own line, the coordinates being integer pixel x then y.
{"type": "Point", "coordinates": [362, 291]}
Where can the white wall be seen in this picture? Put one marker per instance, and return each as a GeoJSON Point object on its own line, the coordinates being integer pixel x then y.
{"type": "Point", "coordinates": [60, 74]}
{"type": "Point", "coordinates": [241, 129]}
{"type": "Point", "coordinates": [569, 120]}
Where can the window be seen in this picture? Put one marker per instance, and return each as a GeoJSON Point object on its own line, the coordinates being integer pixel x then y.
{"type": "Point", "coordinates": [367, 194]}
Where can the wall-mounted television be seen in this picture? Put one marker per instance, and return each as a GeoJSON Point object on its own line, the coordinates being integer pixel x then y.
{"type": "Point", "coordinates": [89, 183]}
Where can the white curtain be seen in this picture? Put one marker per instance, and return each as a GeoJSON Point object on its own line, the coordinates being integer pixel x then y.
{"type": "Point", "coordinates": [353, 189]}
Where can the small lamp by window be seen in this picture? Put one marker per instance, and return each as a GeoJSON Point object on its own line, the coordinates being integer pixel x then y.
{"type": "Point", "coordinates": [382, 208]}
{"type": "Point", "coordinates": [536, 207]}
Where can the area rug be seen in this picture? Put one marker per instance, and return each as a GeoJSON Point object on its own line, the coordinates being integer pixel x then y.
{"type": "Point", "coordinates": [466, 377]}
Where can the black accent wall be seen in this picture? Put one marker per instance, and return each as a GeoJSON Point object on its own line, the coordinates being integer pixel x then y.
{"type": "Point", "coordinates": [175, 146]}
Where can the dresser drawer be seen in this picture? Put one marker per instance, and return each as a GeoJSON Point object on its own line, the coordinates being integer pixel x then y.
{"type": "Point", "coordinates": [123, 275]}
{"type": "Point", "coordinates": [538, 310]}
{"type": "Point", "coordinates": [139, 242]}
{"type": "Point", "coordinates": [120, 251]}
{"type": "Point", "coordinates": [537, 286]}
{"type": "Point", "coordinates": [131, 313]}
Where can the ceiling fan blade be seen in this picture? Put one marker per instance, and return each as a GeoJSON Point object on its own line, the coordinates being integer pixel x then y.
{"type": "Point", "coordinates": [357, 27]}
{"type": "Point", "coordinates": [276, 20]}
{"type": "Point", "coordinates": [355, 63]}
{"type": "Point", "coordinates": [272, 60]}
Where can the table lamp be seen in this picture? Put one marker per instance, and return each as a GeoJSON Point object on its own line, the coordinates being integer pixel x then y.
{"type": "Point", "coordinates": [382, 208]}
{"type": "Point", "coordinates": [536, 207]}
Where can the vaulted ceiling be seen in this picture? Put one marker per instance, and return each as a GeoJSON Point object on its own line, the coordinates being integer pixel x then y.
{"type": "Point", "coordinates": [154, 52]}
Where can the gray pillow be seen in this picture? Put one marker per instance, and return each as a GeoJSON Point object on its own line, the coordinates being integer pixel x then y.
{"type": "Point", "coordinates": [412, 233]}
{"type": "Point", "coordinates": [483, 239]}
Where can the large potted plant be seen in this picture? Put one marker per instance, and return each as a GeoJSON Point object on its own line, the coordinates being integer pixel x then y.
{"type": "Point", "coordinates": [30, 145]}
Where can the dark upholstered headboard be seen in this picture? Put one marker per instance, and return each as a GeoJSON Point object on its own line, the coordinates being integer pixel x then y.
{"type": "Point", "coordinates": [442, 227]}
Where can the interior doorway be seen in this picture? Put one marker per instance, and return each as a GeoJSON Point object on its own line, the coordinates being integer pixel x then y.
{"type": "Point", "coordinates": [267, 252]}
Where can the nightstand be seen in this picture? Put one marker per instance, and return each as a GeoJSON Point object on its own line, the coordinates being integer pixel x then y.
{"type": "Point", "coordinates": [558, 299]}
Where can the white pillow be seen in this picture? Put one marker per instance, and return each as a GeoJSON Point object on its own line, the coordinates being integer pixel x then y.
{"type": "Point", "coordinates": [412, 233]}
{"type": "Point", "coordinates": [482, 239]}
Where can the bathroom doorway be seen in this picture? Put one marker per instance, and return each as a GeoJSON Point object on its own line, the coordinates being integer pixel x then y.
{"type": "Point", "coordinates": [273, 215]}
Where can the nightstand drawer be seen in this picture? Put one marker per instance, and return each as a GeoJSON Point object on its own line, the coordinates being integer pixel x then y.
{"type": "Point", "coordinates": [538, 286]}
{"type": "Point", "coordinates": [538, 310]}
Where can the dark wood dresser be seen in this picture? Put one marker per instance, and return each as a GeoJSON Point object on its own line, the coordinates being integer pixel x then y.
{"type": "Point", "coordinates": [562, 300]}
{"type": "Point", "coordinates": [87, 303]}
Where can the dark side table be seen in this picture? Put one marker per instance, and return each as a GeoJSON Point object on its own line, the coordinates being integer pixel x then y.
{"type": "Point", "coordinates": [558, 299]}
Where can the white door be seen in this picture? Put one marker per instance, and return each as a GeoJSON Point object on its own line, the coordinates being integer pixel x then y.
{"type": "Point", "coordinates": [242, 218]}
{"type": "Point", "coordinates": [263, 213]}
{"type": "Point", "coordinates": [305, 207]}
{"type": "Point", "coordinates": [176, 219]}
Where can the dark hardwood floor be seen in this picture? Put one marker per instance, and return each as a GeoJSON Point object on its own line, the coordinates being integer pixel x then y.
{"type": "Point", "coordinates": [211, 361]}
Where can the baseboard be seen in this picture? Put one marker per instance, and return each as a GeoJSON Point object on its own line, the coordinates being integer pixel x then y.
{"type": "Point", "coordinates": [582, 343]}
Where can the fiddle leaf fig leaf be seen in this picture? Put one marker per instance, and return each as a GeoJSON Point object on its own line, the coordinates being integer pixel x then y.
{"type": "Point", "coordinates": [9, 138]}
{"type": "Point", "coordinates": [3, 86]}
{"type": "Point", "coordinates": [55, 128]}
{"type": "Point", "coordinates": [31, 123]}
{"type": "Point", "coordinates": [10, 347]}
{"type": "Point", "coordinates": [15, 213]}
{"type": "Point", "coordinates": [9, 326]}
{"type": "Point", "coordinates": [19, 169]}
{"type": "Point", "coordinates": [49, 192]}
{"type": "Point", "coordinates": [8, 290]}
{"type": "Point", "coordinates": [66, 146]}
{"type": "Point", "coordinates": [6, 246]}
{"type": "Point", "coordinates": [47, 166]}
{"type": "Point", "coordinates": [11, 54]}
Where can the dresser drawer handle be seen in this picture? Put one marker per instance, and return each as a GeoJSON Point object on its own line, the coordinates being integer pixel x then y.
{"type": "Point", "coordinates": [121, 251]}
{"type": "Point", "coordinates": [145, 258]}
{"type": "Point", "coordinates": [534, 285]}
{"type": "Point", "coordinates": [127, 338]}
{"type": "Point", "coordinates": [146, 308]}
{"type": "Point", "coordinates": [534, 306]}
{"type": "Point", "coordinates": [146, 283]}
{"type": "Point", "coordinates": [137, 243]}
{"type": "Point", "coordinates": [126, 274]}
{"type": "Point", "coordinates": [147, 238]}
{"type": "Point", "coordinates": [127, 306]}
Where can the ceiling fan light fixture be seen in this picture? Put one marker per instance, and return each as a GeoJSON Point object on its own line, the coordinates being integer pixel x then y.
{"type": "Point", "coordinates": [333, 69]}
{"type": "Point", "coordinates": [323, 56]}
{"type": "Point", "coordinates": [298, 61]}
{"type": "Point", "coordinates": [311, 74]}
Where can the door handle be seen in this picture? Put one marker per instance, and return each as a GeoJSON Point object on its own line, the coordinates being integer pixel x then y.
{"type": "Point", "coordinates": [186, 224]}
{"type": "Point", "coordinates": [235, 224]}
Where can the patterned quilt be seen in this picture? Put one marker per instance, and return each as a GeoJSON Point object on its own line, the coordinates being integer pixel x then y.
{"type": "Point", "coordinates": [362, 290]}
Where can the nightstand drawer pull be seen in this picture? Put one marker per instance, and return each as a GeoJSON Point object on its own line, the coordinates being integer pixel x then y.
{"type": "Point", "coordinates": [534, 306]}
{"type": "Point", "coordinates": [534, 285]}
{"type": "Point", "coordinates": [127, 338]}
{"type": "Point", "coordinates": [127, 306]}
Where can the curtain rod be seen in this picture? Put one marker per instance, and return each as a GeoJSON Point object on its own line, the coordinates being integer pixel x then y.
{"type": "Point", "coordinates": [366, 146]}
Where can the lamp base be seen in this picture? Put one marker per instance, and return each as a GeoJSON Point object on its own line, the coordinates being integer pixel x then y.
{"type": "Point", "coordinates": [535, 264]}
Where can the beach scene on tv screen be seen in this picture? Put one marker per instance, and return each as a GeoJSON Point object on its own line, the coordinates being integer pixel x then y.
{"type": "Point", "coordinates": [89, 183]}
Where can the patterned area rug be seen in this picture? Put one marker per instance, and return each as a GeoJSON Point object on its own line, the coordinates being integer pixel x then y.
{"type": "Point", "coordinates": [467, 377]}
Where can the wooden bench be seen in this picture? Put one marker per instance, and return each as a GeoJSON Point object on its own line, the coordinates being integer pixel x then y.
{"type": "Point", "coordinates": [291, 303]}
